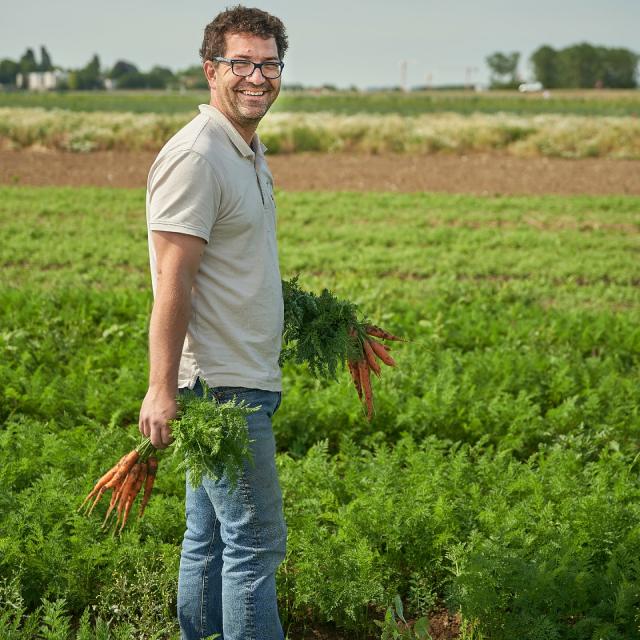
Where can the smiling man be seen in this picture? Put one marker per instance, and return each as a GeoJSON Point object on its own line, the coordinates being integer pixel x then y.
{"type": "Point", "coordinates": [217, 318]}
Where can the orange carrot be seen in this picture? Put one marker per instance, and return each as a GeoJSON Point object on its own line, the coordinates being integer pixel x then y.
{"type": "Point", "coordinates": [382, 352]}
{"type": "Point", "coordinates": [377, 332]}
{"type": "Point", "coordinates": [152, 467]}
{"type": "Point", "coordinates": [126, 488]}
{"type": "Point", "coordinates": [99, 486]}
{"type": "Point", "coordinates": [371, 359]}
{"type": "Point", "coordinates": [363, 369]}
{"type": "Point", "coordinates": [133, 492]}
{"type": "Point", "coordinates": [355, 375]}
{"type": "Point", "coordinates": [112, 504]}
{"type": "Point", "coordinates": [129, 461]}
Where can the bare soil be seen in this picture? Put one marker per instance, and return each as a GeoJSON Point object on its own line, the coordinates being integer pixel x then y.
{"type": "Point", "coordinates": [483, 174]}
{"type": "Point", "coordinates": [442, 626]}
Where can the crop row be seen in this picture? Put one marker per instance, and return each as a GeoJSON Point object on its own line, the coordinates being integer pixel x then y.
{"type": "Point", "coordinates": [498, 478]}
{"type": "Point", "coordinates": [549, 135]}
{"type": "Point", "coordinates": [595, 103]}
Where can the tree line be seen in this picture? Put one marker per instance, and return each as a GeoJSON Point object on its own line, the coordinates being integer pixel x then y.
{"type": "Point", "coordinates": [579, 66]}
{"type": "Point", "coordinates": [122, 75]}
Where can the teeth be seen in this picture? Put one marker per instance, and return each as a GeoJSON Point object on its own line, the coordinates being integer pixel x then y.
{"type": "Point", "coordinates": [253, 93]}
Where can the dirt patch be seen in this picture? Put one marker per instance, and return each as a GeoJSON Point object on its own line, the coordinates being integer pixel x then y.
{"type": "Point", "coordinates": [442, 626]}
{"type": "Point", "coordinates": [481, 174]}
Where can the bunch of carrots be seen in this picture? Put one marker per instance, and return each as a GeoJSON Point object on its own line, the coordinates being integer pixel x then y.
{"type": "Point", "coordinates": [360, 369]}
{"type": "Point", "coordinates": [321, 331]}
{"type": "Point", "coordinates": [125, 480]}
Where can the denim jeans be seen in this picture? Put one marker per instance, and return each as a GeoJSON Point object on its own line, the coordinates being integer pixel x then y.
{"type": "Point", "coordinates": [235, 541]}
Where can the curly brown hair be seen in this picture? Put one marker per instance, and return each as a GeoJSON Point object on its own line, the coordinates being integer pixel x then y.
{"type": "Point", "coordinates": [241, 19]}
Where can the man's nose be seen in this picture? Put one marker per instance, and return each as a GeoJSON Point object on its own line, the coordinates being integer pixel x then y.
{"type": "Point", "coordinates": [256, 76]}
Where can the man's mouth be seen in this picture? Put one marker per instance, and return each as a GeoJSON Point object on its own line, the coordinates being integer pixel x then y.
{"type": "Point", "coordinates": [248, 92]}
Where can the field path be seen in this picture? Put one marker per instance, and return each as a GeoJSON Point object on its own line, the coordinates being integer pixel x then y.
{"type": "Point", "coordinates": [482, 174]}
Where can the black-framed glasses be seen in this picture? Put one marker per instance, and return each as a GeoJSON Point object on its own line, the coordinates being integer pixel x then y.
{"type": "Point", "coordinates": [244, 68]}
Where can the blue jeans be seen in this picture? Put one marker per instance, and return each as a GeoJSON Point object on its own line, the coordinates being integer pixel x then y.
{"type": "Point", "coordinates": [235, 541]}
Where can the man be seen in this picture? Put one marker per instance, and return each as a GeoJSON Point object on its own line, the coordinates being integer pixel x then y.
{"type": "Point", "coordinates": [217, 317]}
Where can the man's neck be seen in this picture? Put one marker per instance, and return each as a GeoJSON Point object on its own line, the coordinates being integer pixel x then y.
{"type": "Point", "coordinates": [246, 132]}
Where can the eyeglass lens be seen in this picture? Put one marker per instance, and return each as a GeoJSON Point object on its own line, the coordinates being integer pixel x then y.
{"type": "Point", "coordinates": [269, 69]}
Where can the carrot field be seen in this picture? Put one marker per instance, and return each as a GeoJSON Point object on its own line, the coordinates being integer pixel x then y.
{"type": "Point", "coordinates": [498, 481]}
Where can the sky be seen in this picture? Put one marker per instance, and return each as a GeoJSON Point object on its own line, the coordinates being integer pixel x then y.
{"type": "Point", "coordinates": [340, 42]}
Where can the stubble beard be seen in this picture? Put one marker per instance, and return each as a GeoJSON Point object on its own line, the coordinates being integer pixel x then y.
{"type": "Point", "coordinates": [250, 115]}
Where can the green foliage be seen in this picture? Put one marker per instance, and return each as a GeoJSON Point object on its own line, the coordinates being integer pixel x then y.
{"type": "Point", "coordinates": [45, 60]}
{"type": "Point", "coordinates": [395, 627]}
{"type": "Point", "coordinates": [89, 77]}
{"type": "Point", "coordinates": [499, 477]}
{"type": "Point", "coordinates": [55, 623]}
{"type": "Point", "coordinates": [504, 68]}
{"type": "Point", "coordinates": [316, 329]}
{"type": "Point", "coordinates": [122, 67]}
{"type": "Point", "coordinates": [28, 62]}
{"type": "Point", "coordinates": [157, 78]}
{"type": "Point", "coordinates": [586, 66]}
{"type": "Point", "coordinates": [347, 103]}
{"type": "Point", "coordinates": [545, 68]}
{"type": "Point", "coordinates": [150, 585]}
{"type": "Point", "coordinates": [8, 71]}
{"type": "Point", "coordinates": [550, 547]}
{"type": "Point", "coordinates": [212, 438]}
{"type": "Point", "coordinates": [51, 621]}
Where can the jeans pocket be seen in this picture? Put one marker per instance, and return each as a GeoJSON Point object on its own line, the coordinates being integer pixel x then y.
{"type": "Point", "coordinates": [225, 394]}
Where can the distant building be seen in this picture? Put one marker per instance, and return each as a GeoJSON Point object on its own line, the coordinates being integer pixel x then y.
{"type": "Point", "coordinates": [41, 80]}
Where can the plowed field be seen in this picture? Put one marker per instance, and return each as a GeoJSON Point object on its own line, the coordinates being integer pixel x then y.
{"type": "Point", "coordinates": [475, 174]}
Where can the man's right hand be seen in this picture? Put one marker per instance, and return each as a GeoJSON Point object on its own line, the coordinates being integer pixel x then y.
{"type": "Point", "coordinates": [158, 408]}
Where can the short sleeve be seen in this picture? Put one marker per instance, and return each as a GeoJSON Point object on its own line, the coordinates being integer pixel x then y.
{"type": "Point", "coordinates": [183, 194]}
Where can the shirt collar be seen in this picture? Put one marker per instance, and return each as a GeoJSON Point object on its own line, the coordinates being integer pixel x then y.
{"type": "Point", "coordinates": [234, 135]}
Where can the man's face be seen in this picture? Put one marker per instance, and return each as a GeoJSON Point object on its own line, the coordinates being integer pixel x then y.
{"type": "Point", "coordinates": [244, 100]}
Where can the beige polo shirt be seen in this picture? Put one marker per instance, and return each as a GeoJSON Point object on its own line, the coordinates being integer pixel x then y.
{"type": "Point", "coordinates": [208, 182]}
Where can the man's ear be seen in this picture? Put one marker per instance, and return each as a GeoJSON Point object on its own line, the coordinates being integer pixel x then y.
{"type": "Point", "coordinates": [210, 73]}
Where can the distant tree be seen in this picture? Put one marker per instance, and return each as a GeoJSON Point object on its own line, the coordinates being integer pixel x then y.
{"type": "Point", "coordinates": [157, 78]}
{"type": "Point", "coordinates": [579, 66]}
{"type": "Point", "coordinates": [504, 69]}
{"type": "Point", "coordinates": [9, 69]}
{"type": "Point", "coordinates": [132, 80]}
{"type": "Point", "coordinates": [585, 66]}
{"type": "Point", "coordinates": [94, 65]}
{"type": "Point", "coordinates": [122, 67]}
{"type": "Point", "coordinates": [161, 77]}
{"type": "Point", "coordinates": [28, 62]}
{"type": "Point", "coordinates": [45, 60]}
{"type": "Point", "coordinates": [620, 68]}
{"type": "Point", "coordinates": [193, 78]}
{"type": "Point", "coordinates": [545, 66]}
{"type": "Point", "coordinates": [89, 77]}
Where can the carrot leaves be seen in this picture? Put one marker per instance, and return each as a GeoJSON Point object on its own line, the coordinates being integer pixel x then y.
{"type": "Point", "coordinates": [316, 329]}
{"type": "Point", "coordinates": [212, 438]}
